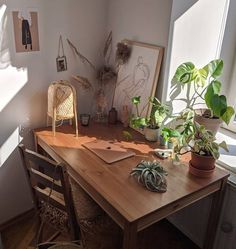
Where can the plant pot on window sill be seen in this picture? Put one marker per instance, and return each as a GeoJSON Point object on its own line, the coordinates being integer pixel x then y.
{"type": "Point", "coordinates": [202, 117]}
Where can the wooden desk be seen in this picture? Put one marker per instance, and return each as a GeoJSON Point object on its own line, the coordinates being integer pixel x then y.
{"type": "Point", "coordinates": [131, 206]}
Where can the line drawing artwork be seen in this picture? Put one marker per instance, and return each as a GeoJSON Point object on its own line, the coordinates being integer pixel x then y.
{"type": "Point", "coordinates": [138, 77]}
{"type": "Point", "coordinates": [133, 84]}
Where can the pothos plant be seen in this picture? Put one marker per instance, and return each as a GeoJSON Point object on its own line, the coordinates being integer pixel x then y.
{"type": "Point", "coordinates": [195, 138]}
{"type": "Point", "coordinates": [158, 113]}
{"type": "Point", "coordinates": [168, 134]}
{"type": "Point", "coordinates": [206, 86]}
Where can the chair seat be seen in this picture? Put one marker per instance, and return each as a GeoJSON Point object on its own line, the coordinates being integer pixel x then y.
{"type": "Point", "coordinates": [98, 230]}
{"type": "Point", "coordinates": [54, 217]}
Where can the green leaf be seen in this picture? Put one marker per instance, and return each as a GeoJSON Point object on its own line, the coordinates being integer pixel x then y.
{"type": "Point", "coordinates": [216, 85]}
{"type": "Point", "coordinates": [200, 77]}
{"type": "Point", "coordinates": [224, 146]}
{"type": "Point", "coordinates": [212, 89]}
{"type": "Point", "coordinates": [174, 133]}
{"type": "Point", "coordinates": [184, 73]}
{"type": "Point", "coordinates": [226, 117]}
{"type": "Point", "coordinates": [215, 68]}
{"type": "Point", "coordinates": [218, 105]}
{"type": "Point", "coordinates": [127, 135]}
{"type": "Point", "coordinates": [136, 100]}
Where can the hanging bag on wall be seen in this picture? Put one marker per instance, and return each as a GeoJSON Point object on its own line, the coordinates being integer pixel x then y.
{"type": "Point", "coordinates": [61, 59]}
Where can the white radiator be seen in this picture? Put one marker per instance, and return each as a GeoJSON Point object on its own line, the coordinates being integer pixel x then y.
{"type": "Point", "coordinates": [226, 236]}
{"type": "Point", "coordinates": [192, 220]}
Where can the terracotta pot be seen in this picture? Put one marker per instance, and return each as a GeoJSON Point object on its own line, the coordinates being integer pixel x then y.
{"type": "Point", "coordinates": [199, 172]}
{"type": "Point", "coordinates": [201, 166]}
{"type": "Point", "coordinates": [202, 117]}
{"type": "Point", "coordinates": [151, 134]}
{"type": "Point", "coordinates": [202, 162]}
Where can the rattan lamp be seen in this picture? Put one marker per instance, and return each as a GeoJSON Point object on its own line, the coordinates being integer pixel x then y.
{"type": "Point", "coordinates": [62, 104]}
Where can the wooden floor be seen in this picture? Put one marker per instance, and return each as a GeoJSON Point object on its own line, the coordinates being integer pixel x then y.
{"type": "Point", "coordinates": [162, 235]}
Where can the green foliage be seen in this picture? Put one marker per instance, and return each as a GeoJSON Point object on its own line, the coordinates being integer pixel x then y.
{"type": "Point", "coordinates": [206, 79]}
{"type": "Point", "coordinates": [151, 175]}
{"type": "Point", "coordinates": [127, 135]}
{"type": "Point", "coordinates": [199, 140]}
{"type": "Point", "coordinates": [158, 113]}
{"type": "Point", "coordinates": [169, 133]}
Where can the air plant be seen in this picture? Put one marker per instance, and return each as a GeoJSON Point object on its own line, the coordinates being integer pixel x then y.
{"type": "Point", "coordinates": [151, 175]}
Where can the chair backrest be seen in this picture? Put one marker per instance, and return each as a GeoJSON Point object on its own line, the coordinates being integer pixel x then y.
{"type": "Point", "coordinates": [49, 182]}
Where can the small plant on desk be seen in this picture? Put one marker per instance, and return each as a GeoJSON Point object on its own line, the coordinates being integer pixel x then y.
{"type": "Point", "coordinates": [151, 123]}
{"type": "Point", "coordinates": [151, 175]}
{"type": "Point", "coordinates": [204, 150]}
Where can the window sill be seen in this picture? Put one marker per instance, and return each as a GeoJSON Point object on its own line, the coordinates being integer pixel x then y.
{"type": "Point", "coordinates": [227, 160]}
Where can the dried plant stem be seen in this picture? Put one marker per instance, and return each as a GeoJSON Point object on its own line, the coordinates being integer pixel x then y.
{"type": "Point", "coordinates": [82, 57]}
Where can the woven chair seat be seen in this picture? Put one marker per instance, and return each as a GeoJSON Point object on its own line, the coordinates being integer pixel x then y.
{"type": "Point", "coordinates": [59, 245]}
{"type": "Point", "coordinates": [56, 218]}
{"type": "Point", "coordinates": [98, 230]}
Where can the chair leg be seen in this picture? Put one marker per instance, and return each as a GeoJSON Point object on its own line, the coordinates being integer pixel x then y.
{"type": "Point", "coordinates": [54, 236]}
{"type": "Point", "coordinates": [40, 233]}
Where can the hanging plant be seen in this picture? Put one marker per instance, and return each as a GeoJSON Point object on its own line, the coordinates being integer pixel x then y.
{"type": "Point", "coordinates": [151, 175]}
{"type": "Point", "coordinates": [123, 53]}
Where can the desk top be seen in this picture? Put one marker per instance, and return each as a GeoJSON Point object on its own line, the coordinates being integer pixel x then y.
{"type": "Point", "coordinates": [113, 181]}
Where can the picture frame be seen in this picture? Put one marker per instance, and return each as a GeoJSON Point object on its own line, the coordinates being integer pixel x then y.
{"type": "Point", "coordinates": [61, 63]}
{"type": "Point", "coordinates": [26, 33]}
{"type": "Point", "coordinates": [138, 77]}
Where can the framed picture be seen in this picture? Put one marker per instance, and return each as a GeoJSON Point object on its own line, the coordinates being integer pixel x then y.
{"type": "Point", "coordinates": [61, 64]}
{"type": "Point", "coordinates": [26, 30]}
{"type": "Point", "coordinates": [139, 76]}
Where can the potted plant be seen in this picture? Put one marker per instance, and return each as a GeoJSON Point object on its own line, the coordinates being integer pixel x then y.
{"type": "Point", "coordinates": [204, 150]}
{"type": "Point", "coordinates": [169, 135]}
{"type": "Point", "coordinates": [206, 87]}
{"type": "Point", "coordinates": [152, 123]}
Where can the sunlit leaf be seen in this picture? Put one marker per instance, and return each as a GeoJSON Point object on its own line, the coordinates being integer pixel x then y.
{"type": "Point", "coordinates": [215, 68]}
{"type": "Point", "coordinates": [184, 73]}
{"type": "Point", "coordinates": [228, 114]}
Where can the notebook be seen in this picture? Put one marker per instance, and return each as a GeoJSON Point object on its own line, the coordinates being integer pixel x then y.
{"type": "Point", "coordinates": [108, 151]}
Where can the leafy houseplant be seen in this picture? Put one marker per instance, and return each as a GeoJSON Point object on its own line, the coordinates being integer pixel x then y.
{"type": "Point", "coordinates": [158, 113]}
{"type": "Point", "coordinates": [203, 147]}
{"type": "Point", "coordinates": [207, 87]}
{"type": "Point", "coordinates": [169, 134]}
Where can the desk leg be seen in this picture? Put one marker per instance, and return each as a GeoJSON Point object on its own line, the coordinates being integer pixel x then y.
{"type": "Point", "coordinates": [130, 236]}
{"type": "Point", "coordinates": [216, 207]}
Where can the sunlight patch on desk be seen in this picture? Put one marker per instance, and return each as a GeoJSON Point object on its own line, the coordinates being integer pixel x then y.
{"type": "Point", "coordinates": [10, 145]}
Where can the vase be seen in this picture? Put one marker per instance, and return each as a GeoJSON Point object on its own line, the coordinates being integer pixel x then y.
{"type": "Point", "coordinates": [125, 116]}
{"type": "Point", "coordinates": [112, 116]}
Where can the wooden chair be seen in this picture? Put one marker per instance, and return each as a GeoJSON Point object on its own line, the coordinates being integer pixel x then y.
{"type": "Point", "coordinates": [98, 230]}
{"type": "Point", "coordinates": [51, 193]}
{"type": "Point", "coordinates": [59, 245]}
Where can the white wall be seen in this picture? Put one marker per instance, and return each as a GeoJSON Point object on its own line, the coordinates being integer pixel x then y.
{"type": "Point", "coordinates": [145, 21]}
{"type": "Point", "coordinates": [24, 78]}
